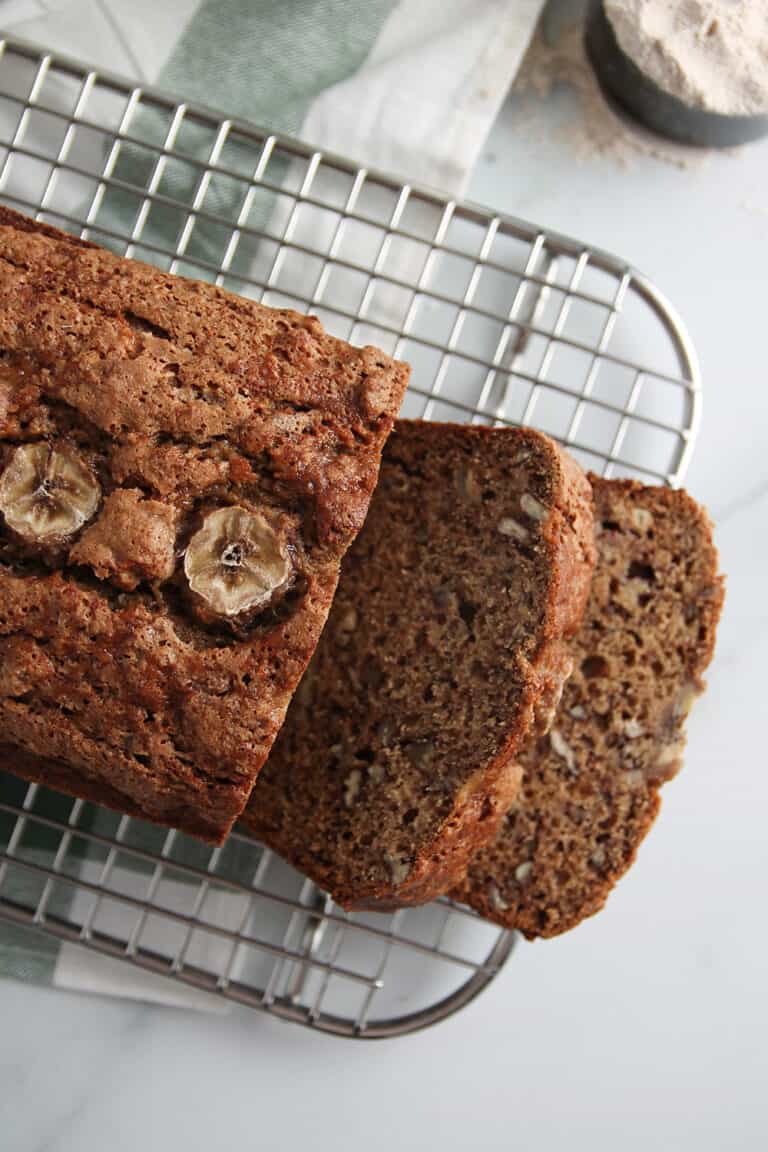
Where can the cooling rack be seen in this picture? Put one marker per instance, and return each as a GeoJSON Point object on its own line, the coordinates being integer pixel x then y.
{"type": "Point", "coordinates": [503, 322]}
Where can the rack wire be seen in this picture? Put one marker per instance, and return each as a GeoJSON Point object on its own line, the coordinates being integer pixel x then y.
{"type": "Point", "coordinates": [503, 322]}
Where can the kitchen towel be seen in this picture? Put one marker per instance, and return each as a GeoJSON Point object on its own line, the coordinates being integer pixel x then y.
{"type": "Point", "coordinates": [408, 86]}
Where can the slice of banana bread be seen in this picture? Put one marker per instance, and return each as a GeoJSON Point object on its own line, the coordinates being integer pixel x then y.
{"type": "Point", "coordinates": [181, 471]}
{"type": "Point", "coordinates": [591, 787]}
{"type": "Point", "coordinates": [445, 637]}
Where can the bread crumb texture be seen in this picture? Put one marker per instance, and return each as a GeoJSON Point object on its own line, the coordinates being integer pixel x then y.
{"type": "Point", "coordinates": [590, 788]}
{"type": "Point", "coordinates": [396, 759]}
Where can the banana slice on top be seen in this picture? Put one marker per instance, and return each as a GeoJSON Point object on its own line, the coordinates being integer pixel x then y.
{"type": "Point", "coordinates": [236, 562]}
{"type": "Point", "coordinates": [47, 493]}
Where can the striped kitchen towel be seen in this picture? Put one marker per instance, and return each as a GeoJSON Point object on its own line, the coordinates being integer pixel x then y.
{"type": "Point", "coordinates": [410, 86]}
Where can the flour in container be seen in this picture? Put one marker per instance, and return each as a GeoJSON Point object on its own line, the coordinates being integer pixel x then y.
{"type": "Point", "coordinates": [711, 54]}
{"type": "Point", "coordinates": [600, 128]}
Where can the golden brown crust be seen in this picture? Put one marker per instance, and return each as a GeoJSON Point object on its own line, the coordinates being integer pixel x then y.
{"type": "Point", "coordinates": [463, 579]}
{"type": "Point", "coordinates": [203, 821]}
{"type": "Point", "coordinates": [591, 788]}
{"type": "Point", "coordinates": [133, 540]}
{"type": "Point", "coordinates": [177, 399]}
{"type": "Point", "coordinates": [570, 535]}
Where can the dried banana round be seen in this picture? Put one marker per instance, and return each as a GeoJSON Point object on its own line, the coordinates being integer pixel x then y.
{"type": "Point", "coordinates": [236, 562]}
{"type": "Point", "coordinates": [47, 493]}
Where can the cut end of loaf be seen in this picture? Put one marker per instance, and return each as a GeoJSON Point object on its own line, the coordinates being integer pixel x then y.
{"type": "Point", "coordinates": [591, 786]}
{"type": "Point", "coordinates": [397, 758]}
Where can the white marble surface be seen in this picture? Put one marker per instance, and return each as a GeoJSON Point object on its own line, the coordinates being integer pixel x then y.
{"type": "Point", "coordinates": [648, 1024]}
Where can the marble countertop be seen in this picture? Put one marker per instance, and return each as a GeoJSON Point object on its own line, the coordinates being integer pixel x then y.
{"type": "Point", "coordinates": [647, 1024]}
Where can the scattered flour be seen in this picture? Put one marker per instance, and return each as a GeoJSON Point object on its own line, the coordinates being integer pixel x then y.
{"type": "Point", "coordinates": [712, 54]}
{"type": "Point", "coordinates": [600, 129]}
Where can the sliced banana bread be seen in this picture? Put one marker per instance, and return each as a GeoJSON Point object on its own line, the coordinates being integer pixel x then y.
{"type": "Point", "coordinates": [444, 645]}
{"type": "Point", "coordinates": [591, 786]}
{"type": "Point", "coordinates": [181, 471]}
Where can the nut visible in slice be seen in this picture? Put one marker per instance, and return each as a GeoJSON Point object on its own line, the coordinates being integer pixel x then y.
{"type": "Point", "coordinates": [236, 562]}
{"type": "Point", "coordinates": [497, 901]}
{"type": "Point", "coordinates": [467, 485]}
{"type": "Point", "coordinates": [533, 507]}
{"type": "Point", "coordinates": [509, 527]}
{"type": "Point", "coordinates": [642, 519]}
{"type": "Point", "coordinates": [562, 748]}
{"type": "Point", "coordinates": [352, 786]}
{"type": "Point", "coordinates": [47, 493]}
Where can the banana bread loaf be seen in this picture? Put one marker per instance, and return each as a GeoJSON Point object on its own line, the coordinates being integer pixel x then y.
{"type": "Point", "coordinates": [591, 787]}
{"type": "Point", "coordinates": [445, 638]}
{"type": "Point", "coordinates": [181, 471]}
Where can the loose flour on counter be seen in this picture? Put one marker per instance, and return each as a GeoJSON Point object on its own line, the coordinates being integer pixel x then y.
{"type": "Point", "coordinates": [599, 129]}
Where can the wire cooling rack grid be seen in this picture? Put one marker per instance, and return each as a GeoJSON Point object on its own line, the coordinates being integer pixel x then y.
{"type": "Point", "coordinates": [503, 323]}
